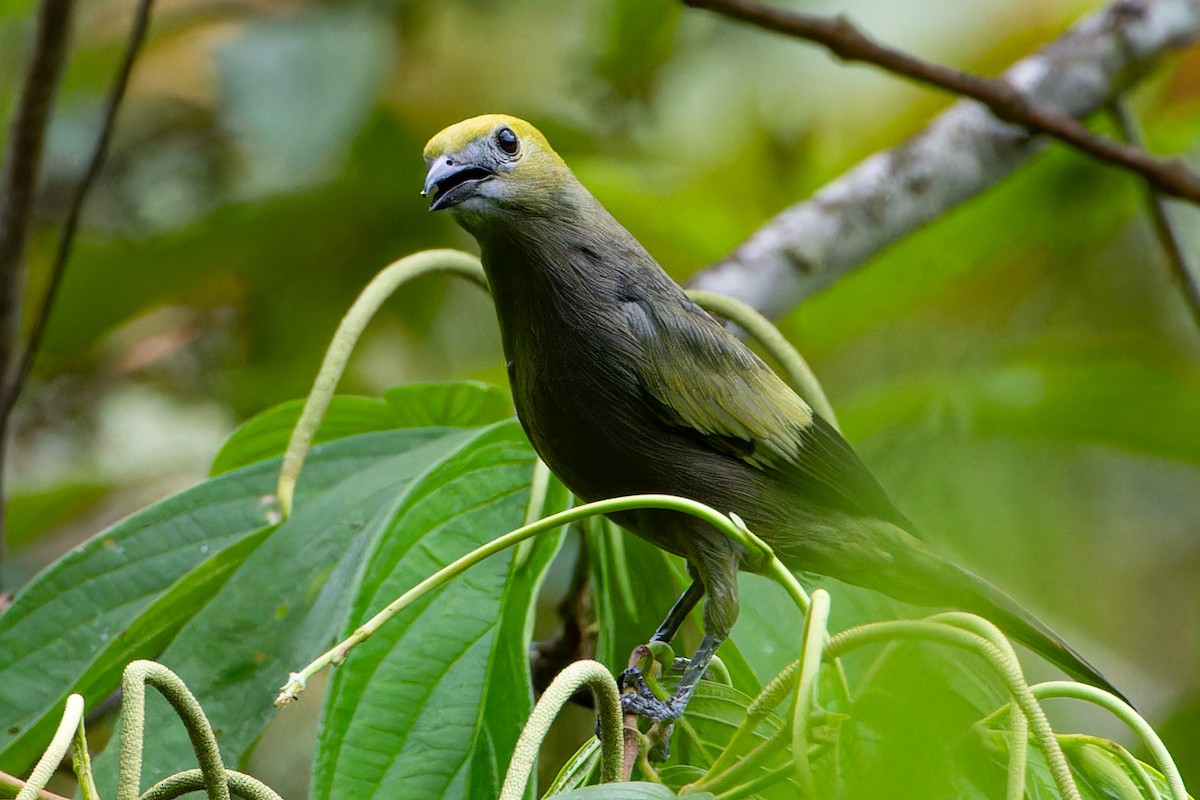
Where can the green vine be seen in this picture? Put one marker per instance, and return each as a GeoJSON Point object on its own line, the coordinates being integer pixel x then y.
{"type": "Point", "coordinates": [569, 681]}
{"type": "Point", "coordinates": [346, 336]}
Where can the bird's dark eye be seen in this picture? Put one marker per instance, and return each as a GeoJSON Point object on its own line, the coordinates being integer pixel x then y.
{"type": "Point", "coordinates": [508, 141]}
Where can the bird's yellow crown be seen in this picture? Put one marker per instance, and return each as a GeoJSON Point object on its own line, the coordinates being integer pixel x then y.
{"type": "Point", "coordinates": [456, 137]}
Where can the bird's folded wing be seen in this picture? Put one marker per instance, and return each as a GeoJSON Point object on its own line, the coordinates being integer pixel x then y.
{"type": "Point", "coordinates": [703, 380]}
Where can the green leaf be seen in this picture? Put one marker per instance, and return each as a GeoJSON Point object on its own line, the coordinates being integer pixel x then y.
{"type": "Point", "coordinates": [508, 695]}
{"type": "Point", "coordinates": [461, 404]}
{"type": "Point", "coordinates": [65, 619]}
{"type": "Point", "coordinates": [418, 687]}
{"type": "Point", "coordinates": [291, 597]}
{"type": "Point", "coordinates": [145, 637]}
{"type": "Point", "coordinates": [266, 435]}
{"type": "Point", "coordinates": [454, 405]}
{"type": "Point", "coordinates": [909, 732]}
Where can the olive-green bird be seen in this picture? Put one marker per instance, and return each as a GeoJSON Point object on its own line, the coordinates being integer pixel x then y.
{"type": "Point", "coordinates": [625, 386]}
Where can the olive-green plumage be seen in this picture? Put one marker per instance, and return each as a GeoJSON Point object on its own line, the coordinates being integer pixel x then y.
{"type": "Point", "coordinates": [625, 386]}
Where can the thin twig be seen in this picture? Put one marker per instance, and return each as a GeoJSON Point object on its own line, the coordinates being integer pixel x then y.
{"type": "Point", "coordinates": [18, 183]}
{"type": "Point", "coordinates": [845, 40]}
{"type": "Point", "coordinates": [1187, 273]}
{"type": "Point", "coordinates": [66, 238]}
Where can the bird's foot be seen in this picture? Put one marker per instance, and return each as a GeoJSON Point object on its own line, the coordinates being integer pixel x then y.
{"type": "Point", "coordinates": [638, 698]}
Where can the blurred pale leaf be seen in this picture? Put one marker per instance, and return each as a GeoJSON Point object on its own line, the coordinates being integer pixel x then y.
{"type": "Point", "coordinates": [295, 90]}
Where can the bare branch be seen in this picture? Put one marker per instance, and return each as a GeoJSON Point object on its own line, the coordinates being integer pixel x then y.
{"type": "Point", "coordinates": [22, 161]}
{"type": "Point", "coordinates": [19, 182]}
{"type": "Point", "coordinates": [66, 239]}
{"type": "Point", "coordinates": [962, 152]}
{"type": "Point", "coordinates": [1185, 272]}
{"type": "Point", "coordinates": [848, 42]}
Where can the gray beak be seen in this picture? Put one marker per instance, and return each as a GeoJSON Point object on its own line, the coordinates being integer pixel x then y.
{"type": "Point", "coordinates": [449, 182]}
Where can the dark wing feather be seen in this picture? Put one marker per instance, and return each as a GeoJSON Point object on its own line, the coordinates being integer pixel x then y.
{"type": "Point", "coordinates": [702, 379]}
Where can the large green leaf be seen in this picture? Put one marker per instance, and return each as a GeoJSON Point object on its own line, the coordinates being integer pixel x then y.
{"type": "Point", "coordinates": [54, 636]}
{"type": "Point", "coordinates": [418, 687]}
{"type": "Point", "coordinates": [145, 637]}
{"type": "Point", "coordinates": [290, 598]}
{"type": "Point", "coordinates": [459, 404]}
{"type": "Point", "coordinates": [508, 697]}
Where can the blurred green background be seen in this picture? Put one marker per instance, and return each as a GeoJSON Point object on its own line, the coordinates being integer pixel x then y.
{"type": "Point", "coordinates": [1022, 374]}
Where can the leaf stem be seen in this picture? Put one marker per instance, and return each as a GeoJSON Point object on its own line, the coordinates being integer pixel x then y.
{"type": "Point", "coordinates": [731, 526]}
{"type": "Point", "coordinates": [569, 681]}
{"type": "Point", "coordinates": [348, 332]}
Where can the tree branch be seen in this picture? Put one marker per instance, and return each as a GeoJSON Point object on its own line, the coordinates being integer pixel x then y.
{"type": "Point", "coordinates": [16, 380]}
{"type": "Point", "coordinates": [22, 161]}
{"type": "Point", "coordinates": [962, 152]}
{"type": "Point", "coordinates": [849, 43]}
{"type": "Point", "coordinates": [19, 182]}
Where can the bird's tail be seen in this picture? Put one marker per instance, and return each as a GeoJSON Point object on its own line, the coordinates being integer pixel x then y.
{"type": "Point", "coordinates": [965, 590]}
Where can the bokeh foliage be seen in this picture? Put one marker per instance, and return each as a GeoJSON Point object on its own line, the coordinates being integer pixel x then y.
{"type": "Point", "coordinates": [1021, 375]}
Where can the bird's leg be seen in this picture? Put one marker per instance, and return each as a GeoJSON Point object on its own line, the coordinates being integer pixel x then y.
{"type": "Point", "coordinates": [632, 676]}
{"type": "Point", "coordinates": [678, 613]}
{"type": "Point", "coordinates": [717, 577]}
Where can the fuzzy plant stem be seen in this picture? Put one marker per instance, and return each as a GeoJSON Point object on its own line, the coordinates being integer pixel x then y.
{"type": "Point", "coordinates": [799, 374]}
{"type": "Point", "coordinates": [192, 780]}
{"type": "Point", "coordinates": [731, 526]}
{"type": "Point", "coordinates": [348, 332]}
{"type": "Point", "coordinates": [561, 689]}
{"type": "Point", "coordinates": [137, 676]}
{"type": "Point", "coordinates": [1124, 712]}
{"type": "Point", "coordinates": [72, 718]}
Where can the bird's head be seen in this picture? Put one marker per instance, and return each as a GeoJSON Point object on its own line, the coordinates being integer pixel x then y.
{"type": "Point", "coordinates": [493, 165]}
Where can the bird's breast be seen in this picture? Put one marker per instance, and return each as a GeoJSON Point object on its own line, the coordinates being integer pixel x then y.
{"type": "Point", "coordinates": [585, 422]}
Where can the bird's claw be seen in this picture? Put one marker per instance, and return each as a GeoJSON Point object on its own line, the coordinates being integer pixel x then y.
{"type": "Point", "coordinates": [637, 698]}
